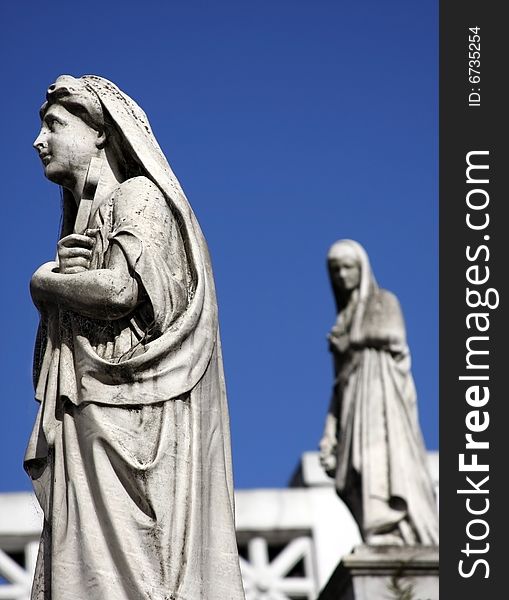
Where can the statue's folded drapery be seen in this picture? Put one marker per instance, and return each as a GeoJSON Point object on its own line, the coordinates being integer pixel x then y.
{"type": "Point", "coordinates": [379, 440]}
{"type": "Point", "coordinates": [130, 453]}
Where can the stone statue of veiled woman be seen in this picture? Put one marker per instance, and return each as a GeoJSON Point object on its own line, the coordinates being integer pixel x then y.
{"type": "Point", "coordinates": [372, 444]}
{"type": "Point", "coordinates": [130, 453]}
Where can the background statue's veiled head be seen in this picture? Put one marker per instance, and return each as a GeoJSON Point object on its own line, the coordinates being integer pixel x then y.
{"type": "Point", "coordinates": [349, 271]}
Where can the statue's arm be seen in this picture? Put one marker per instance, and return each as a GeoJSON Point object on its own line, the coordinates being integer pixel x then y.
{"type": "Point", "coordinates": [385, 330]}
{"type": "Point", "coordinates": [107, 294]}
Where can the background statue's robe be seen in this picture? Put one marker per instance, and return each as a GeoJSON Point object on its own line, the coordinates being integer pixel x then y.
{"type": "Point", "coordinates": [381, 467]}
{"type": "Point", "coordinates": [130, 453]}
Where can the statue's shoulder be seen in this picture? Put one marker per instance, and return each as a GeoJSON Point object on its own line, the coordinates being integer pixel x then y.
{"type": "Point", "coordinates": [139, 185]}
{"type": "Point", "coordinates": [387, 297]}
{"type": "Point", "coordinates": [139, 194]}
{"type": "Point", "coordinates": [387, 303]}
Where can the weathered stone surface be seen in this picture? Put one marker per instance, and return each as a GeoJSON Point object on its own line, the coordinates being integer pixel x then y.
{"type": "Point", "coordinates": [130, 453]}
{"type": "Point", "coordinates": [385, 573]}
{"type": "Point", "coordinates": [372, 444]}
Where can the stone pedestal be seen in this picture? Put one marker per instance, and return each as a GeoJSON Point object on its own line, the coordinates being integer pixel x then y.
{"type": "Point", "coordinates": [385, 573]}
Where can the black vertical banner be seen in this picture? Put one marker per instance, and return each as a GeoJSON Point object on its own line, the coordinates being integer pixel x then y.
{"type": "Point", "coordinates": [474, 268]}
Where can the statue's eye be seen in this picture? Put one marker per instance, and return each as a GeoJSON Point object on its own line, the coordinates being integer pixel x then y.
{"type": "Point", "coordinates": [52, 123]}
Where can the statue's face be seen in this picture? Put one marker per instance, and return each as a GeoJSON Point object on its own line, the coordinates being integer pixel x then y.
{"type": "Point", "coordinates": [345, 271]}
{"type": "Point", "coordinates": [65, 145]}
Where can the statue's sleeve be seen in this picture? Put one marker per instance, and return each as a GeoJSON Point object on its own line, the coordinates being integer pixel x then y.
{"type": "Point", "coordinates": [149, 237]}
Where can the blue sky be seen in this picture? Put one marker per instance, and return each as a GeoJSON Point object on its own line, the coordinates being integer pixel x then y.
{"type": "Point", "coordinates": [290, 124]}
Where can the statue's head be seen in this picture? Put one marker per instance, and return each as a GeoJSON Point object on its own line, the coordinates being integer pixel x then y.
{"type": "Point", "coordinates": [349, 270]}
{"type": "Point", "coordinates": [344, 266]}
{"type": "Point", "coordinates": [72, 130]}
{"type": "Point", "coordinates": [75, 127]}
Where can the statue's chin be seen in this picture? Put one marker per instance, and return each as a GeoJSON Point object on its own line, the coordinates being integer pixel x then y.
{"type": "Point", "coordinates": [54, 174]}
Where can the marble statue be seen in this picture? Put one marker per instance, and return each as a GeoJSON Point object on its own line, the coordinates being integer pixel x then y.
{"type": "Point", "coordinates": [372, 444]}
{"type": "Point", "coordinates": [130, 453]}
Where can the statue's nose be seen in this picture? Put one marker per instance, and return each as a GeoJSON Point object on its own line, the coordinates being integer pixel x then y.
{"type": "Point", "coordinates": [39, 142]}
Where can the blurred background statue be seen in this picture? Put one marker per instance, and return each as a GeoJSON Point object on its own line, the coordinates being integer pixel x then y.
{"type": "Point", "coordinates": [130, 454]}
{"type": "Point", "coordinates": [372, 444]}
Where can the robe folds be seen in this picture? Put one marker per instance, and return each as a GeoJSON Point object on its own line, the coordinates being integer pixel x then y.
{"type": "Point", "coordinates": [130, 453]}
{"type": "Point", "coordinates": [381, 465]}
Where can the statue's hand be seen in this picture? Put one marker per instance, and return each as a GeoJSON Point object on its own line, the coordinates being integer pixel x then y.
{"type": "Point", "coordinates": [338, 342]}
{"type": "Point", "coordinates": [328, 455]}
{"type": "Point", "coordinates": [74, 253]}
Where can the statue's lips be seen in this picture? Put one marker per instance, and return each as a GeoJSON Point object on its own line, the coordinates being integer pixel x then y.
{"type": "Point", "coordinates": [45, 158]}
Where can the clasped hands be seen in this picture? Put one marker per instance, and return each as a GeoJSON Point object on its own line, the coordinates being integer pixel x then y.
{"type": "Point", "coordinates": [74, 255]}
{"type": "Point", "coordinates": [75, 252]}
